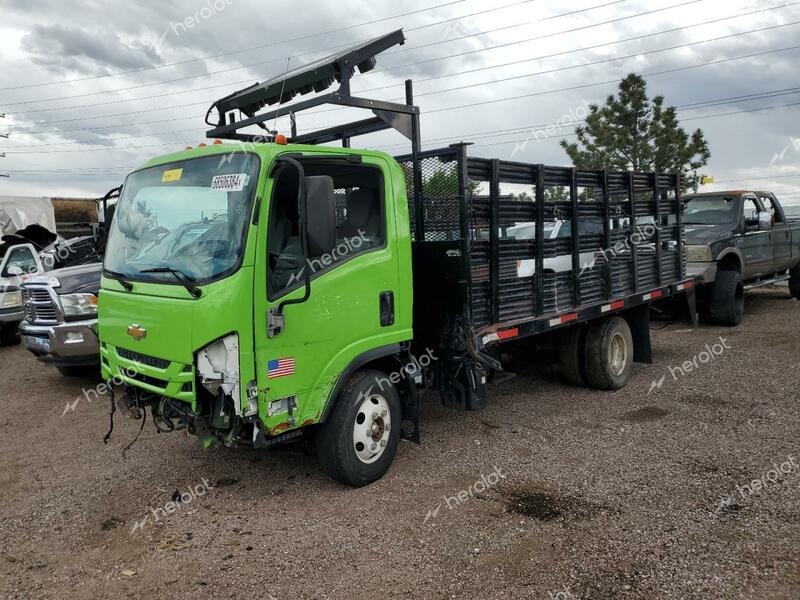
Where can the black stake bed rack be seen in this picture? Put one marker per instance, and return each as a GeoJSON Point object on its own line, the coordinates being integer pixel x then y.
{"type": "Point", "coordinates": [581, 245]}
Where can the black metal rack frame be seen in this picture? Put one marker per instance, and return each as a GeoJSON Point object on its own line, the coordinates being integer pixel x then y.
{"type": "Point", "coordinates": [317, 77]}
{"type": "Point", "coordinates": [456, 229]}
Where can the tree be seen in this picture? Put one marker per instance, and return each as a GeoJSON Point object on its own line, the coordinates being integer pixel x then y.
{"type": "Point", "coordinates": [632, 132]}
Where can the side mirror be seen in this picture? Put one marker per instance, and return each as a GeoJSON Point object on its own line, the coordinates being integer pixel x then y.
{"type": "Point", "coordinates": [321, 215]}
{"type": "Point", "coordinates": [14, 271]}
{"type": "Point", "coordinates": [764, 221]}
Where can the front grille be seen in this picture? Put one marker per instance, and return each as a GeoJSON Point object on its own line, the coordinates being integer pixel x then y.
{"type": "Point", "coordinates": [150, 361]}
{"type": "Point", "coordinates": [39, 305]}
{"type": "Point", "coordinates": [159, 383]}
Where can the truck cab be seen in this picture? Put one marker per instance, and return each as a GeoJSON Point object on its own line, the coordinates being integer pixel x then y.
{"type": "Point", "coordinates": [738, 240]}
{"type": "Point", "coordinates": [217, 236]}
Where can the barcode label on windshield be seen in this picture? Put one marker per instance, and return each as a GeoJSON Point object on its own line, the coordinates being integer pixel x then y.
{"type": "Point", "coordinates": [228, 183]}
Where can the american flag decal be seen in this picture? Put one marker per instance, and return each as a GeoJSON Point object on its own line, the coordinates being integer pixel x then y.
{"type": "Point", "coordinates": [280, 367]}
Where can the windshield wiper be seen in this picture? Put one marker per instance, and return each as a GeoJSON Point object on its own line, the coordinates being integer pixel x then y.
{"type": "Point", "coordinates": [180, 276]}
{"type": "Point", "coordinates": [119, 278]}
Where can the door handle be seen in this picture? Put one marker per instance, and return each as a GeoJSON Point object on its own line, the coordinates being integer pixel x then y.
{"type": "Point", "coordinates": [387, 308]}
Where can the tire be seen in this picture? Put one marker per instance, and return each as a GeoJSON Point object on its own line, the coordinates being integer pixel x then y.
{"type": "Point", "coordinates": [363, 406]}
{"type": "Point", "coordinates": [726, 305]}
{"type": "Point", "coordinates": [572, 356]}
{"type": "Point", "coordinates": [609, 354]}
{"type": "Point", "coordinates": [794, 282]}
{"type": "Point", "coordinates": [9, 335]}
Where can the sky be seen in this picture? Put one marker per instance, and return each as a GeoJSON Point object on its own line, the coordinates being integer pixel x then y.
{"type": "Point", "coordinates": [91, 90]}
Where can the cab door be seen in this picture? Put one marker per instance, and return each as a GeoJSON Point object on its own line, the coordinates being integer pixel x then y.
{"type": "Point", "coordinates": [756, 246]}
{"type": "Point", "coordinates": [351, 308]}
{"type": "Point", "coordinates": [781, 236]}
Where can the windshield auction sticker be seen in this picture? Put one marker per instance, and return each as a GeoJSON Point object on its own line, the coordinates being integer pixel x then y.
{"type": "Point", "coordinates": [228, 183]}
{"type": "Point", "coordinates": [172, 175]}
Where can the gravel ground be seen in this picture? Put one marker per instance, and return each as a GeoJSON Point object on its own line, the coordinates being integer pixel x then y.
{"type": "Point", "coordinates": [636, 494]}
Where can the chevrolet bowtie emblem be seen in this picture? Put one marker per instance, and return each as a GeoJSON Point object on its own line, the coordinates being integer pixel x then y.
{"type": "Point", "coordinates": [137, 332]}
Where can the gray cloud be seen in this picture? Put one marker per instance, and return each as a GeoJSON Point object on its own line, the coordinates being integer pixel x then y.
{"type": "Point", "coordinates": [64, 49]}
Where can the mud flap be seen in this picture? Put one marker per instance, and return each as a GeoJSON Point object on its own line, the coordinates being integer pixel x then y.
{"type": "Point", "coordinates": [691, 306]}
{"type": "Point", "coordinates": [462, 384]}
{"type": "Point", "coordinates": [638, 319]}
{"type": "Point", "coordinates": [409, 412]}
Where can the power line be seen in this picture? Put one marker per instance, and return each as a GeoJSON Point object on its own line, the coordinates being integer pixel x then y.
{"type": "Point", "coordinates": [466, 137]}
{"type": "Point", "coordinates": [559, 69]}
{"type": "Point", "coordinates": [704, 64]}
{"type": "Point", "coordinates": [686, 2]}
{"type": "Point", "coordinates": [470, 86]}
{"type": "Point", "coordinates": [539, 93]}
{"type": "Point", "coordinates": [205, 102]}
{"type": "Point", "coordinates": [763, 95]}
{"type": "Point", "coordinates": [241, 82]}
{"type": "Point", "coordinates": [567, 124]}
{"type": "Point", "coordinates": [297, 39]}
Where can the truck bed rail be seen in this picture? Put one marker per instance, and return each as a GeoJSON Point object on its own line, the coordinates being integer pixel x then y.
{"type": "Point", "coordinates": [533, 243]}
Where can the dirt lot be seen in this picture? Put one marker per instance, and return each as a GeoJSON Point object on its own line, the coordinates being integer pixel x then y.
{"type": "Point", "coordinates": [626, 495]}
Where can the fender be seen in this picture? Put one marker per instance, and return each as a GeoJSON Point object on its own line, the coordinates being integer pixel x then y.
{"type": "Point", "coordinates": [358, 362]}
{"type": "Point", "coordinates": [731, 250]}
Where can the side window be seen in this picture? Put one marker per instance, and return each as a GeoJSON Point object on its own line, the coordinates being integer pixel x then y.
{"type": "Point", "coordinates": [773, 210]}
{"type": "Point", "coordinates": [22, 258]}
{"type": "Point", "coordinates": [360, 218]}
{"type": "Point", "coordinates": [750, 211]}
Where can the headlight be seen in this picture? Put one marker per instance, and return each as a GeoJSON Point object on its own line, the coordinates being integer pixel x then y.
{"type": "Point", "coordinates": [79, 304]}
{"type": "Point", "coordinates": [699, 254]}
{"type": "Point", "coordinates": [10, 299]}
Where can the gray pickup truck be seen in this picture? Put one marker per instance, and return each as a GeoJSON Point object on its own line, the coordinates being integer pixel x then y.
{"type": "Point", "coordinates": [60, 325]}
{"type": "Point", "coordinates": [736, 241]}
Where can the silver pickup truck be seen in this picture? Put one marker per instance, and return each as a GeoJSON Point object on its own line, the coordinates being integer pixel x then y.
{"type": "Point", "coordinates": [60, 325]}
{"type": "Point", "coordinates": [736, 241]}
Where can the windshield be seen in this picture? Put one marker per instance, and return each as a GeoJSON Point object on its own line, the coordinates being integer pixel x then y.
{"type": "Point", "coordinates": [709, 210]}
{"type": "Point", "coordinates": [189, 216]}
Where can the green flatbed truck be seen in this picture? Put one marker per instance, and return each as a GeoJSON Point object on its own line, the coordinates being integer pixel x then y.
{"type": "Point", "coordinates": [257, 291]}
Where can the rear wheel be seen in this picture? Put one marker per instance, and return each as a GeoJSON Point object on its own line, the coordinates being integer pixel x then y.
{"type": "Point", "coordinates": [609, 354]}
{"type": "Point", "coordinates": [9, 334]}
{"type": "Point", "coordinates": [358, 442]}
{"type": "Point", "coordinates": [572, 355]}
{"type": "Point", "coordinates": [794, 282]}
{"type": "Point", "coordinates": [726, 304]}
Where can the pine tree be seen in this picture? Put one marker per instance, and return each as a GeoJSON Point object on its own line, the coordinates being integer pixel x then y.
{"type": "Point", "coordinates": [632, 132]}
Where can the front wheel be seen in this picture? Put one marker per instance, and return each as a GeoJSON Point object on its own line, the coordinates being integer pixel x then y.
{"type": "Point", "coordinates": [727, 299]}
{"type": "Point", "coordinates": [358, 442]}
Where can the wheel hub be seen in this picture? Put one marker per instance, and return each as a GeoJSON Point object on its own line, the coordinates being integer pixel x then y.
{"type": "Point", "coordinates": [618, 354]}
{"type": "Point", "coordinates": [371, 428]}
